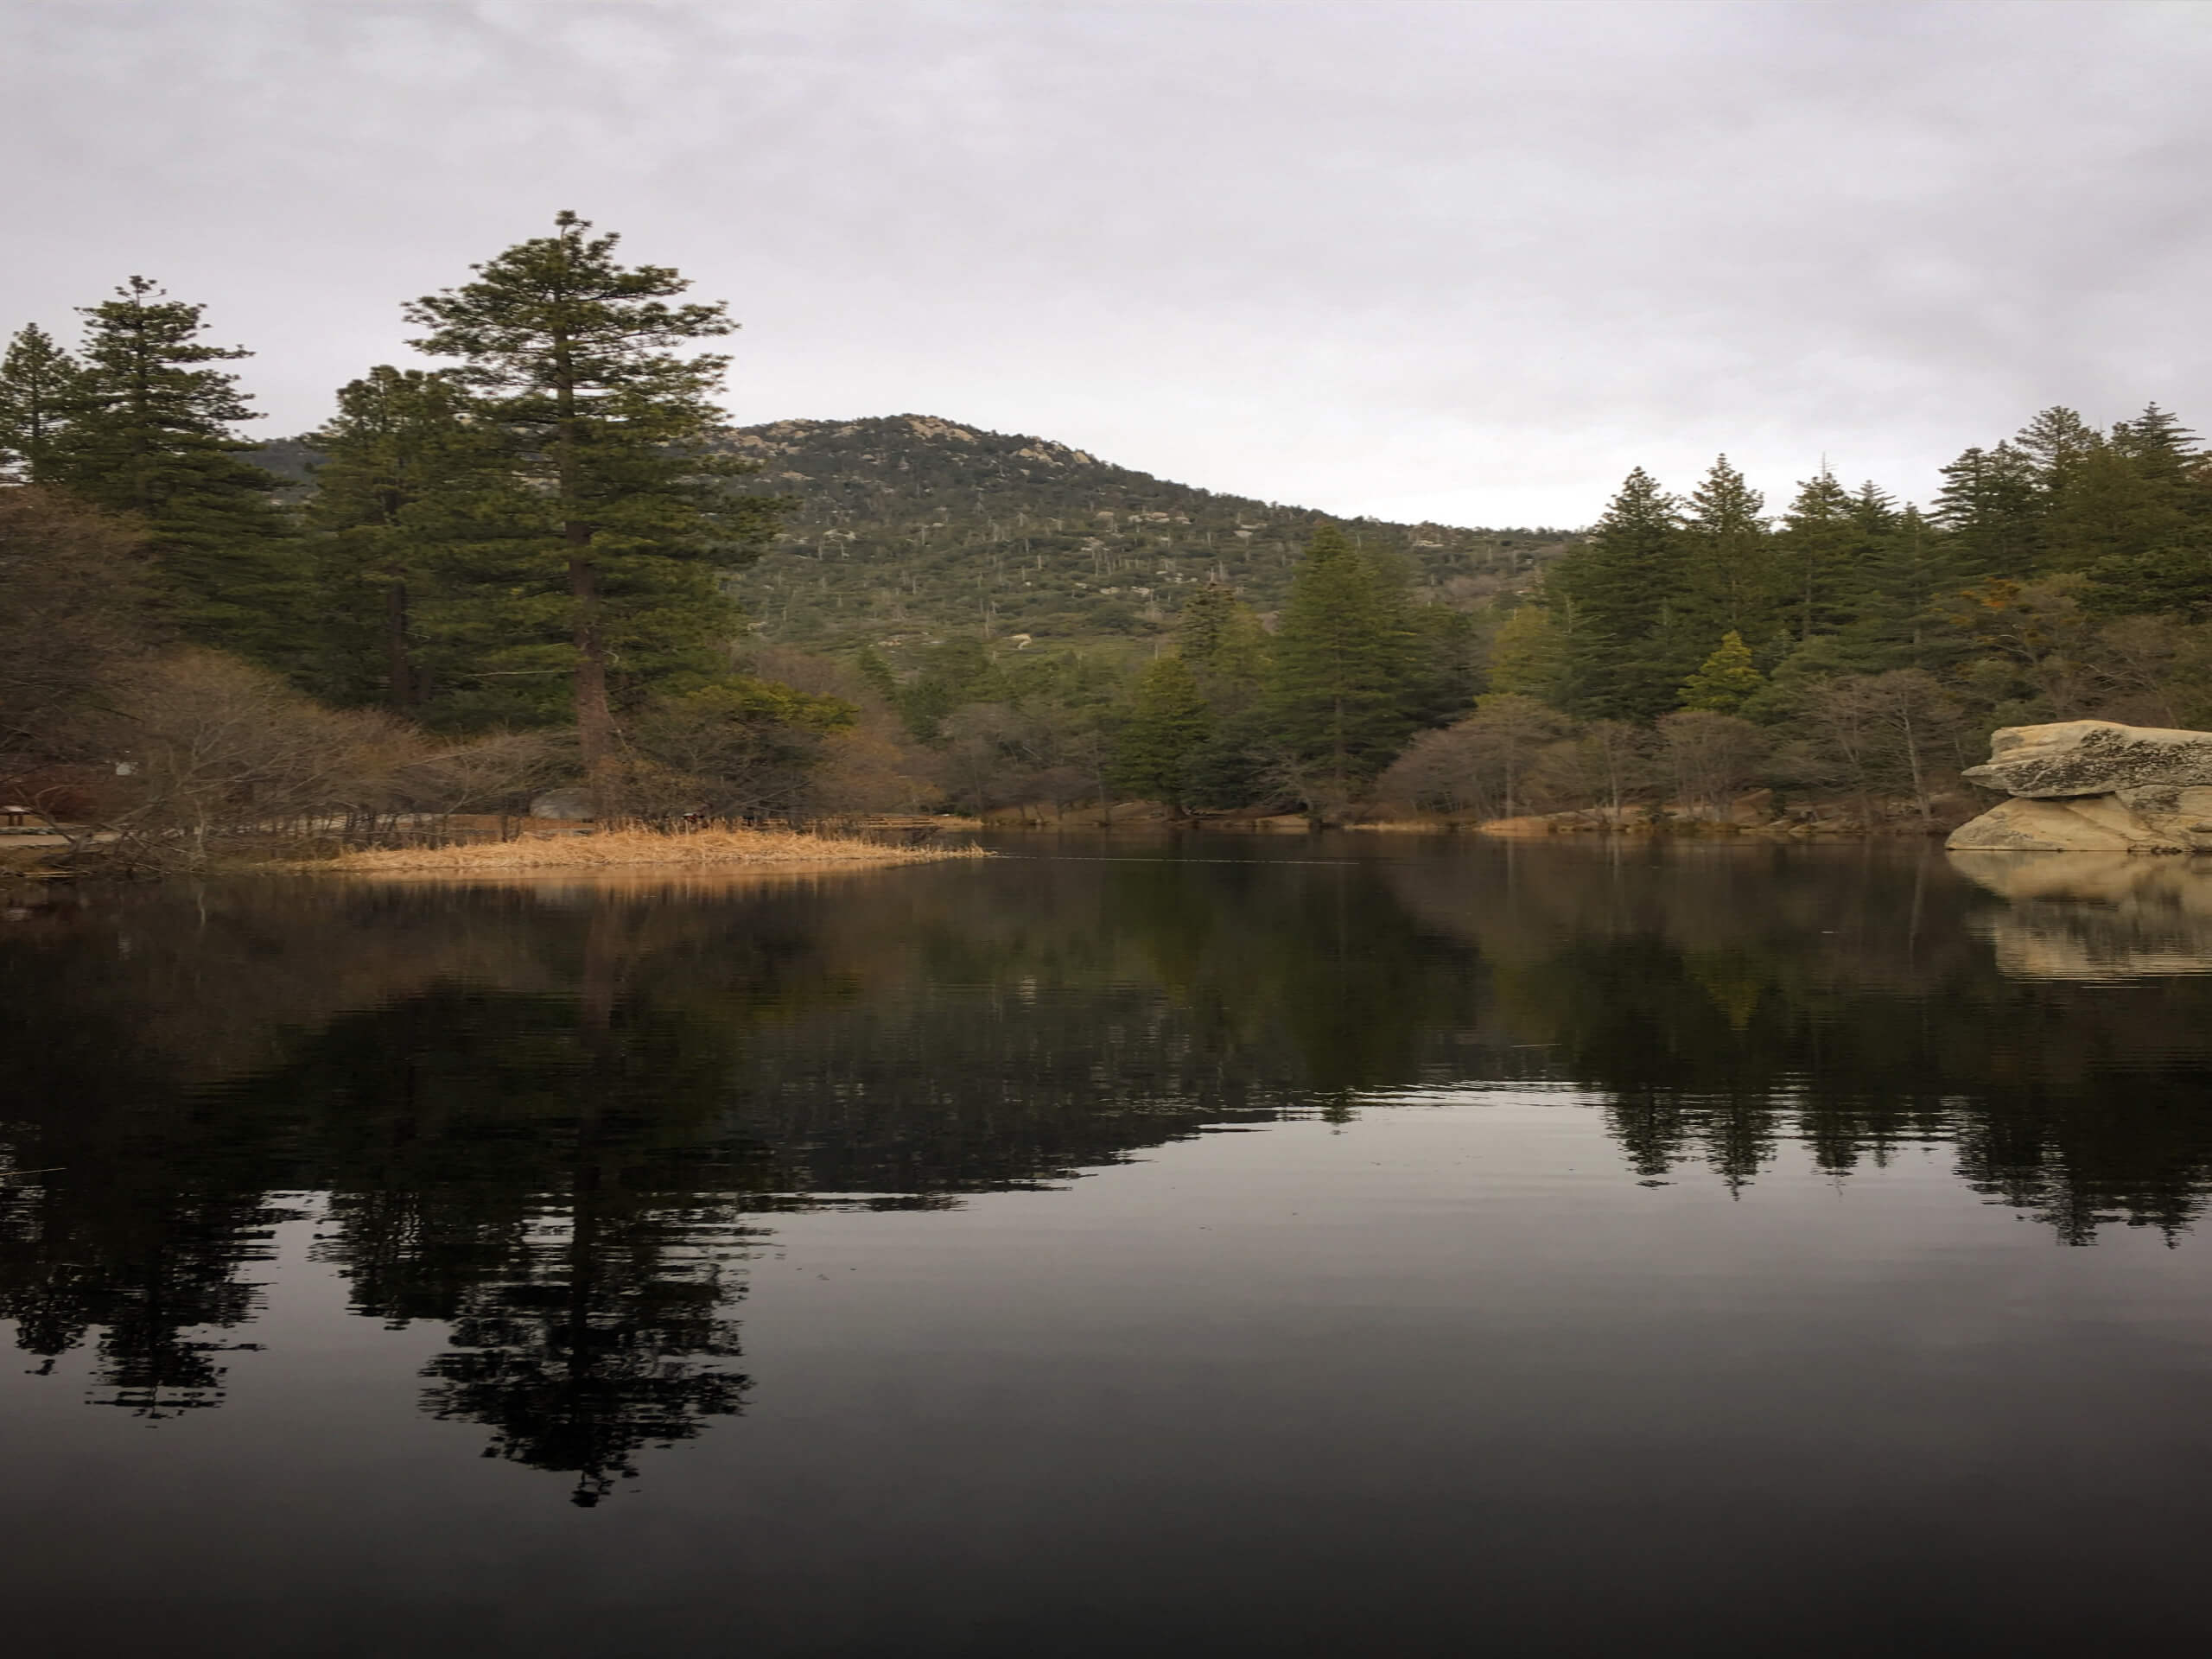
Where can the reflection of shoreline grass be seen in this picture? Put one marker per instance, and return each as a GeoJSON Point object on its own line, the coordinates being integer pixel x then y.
{"type": "Point", "coordinates": [627, 849]}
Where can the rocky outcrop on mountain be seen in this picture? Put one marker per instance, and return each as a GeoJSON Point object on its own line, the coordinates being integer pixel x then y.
{"type": "Point", "coordinates": [2095, 785]}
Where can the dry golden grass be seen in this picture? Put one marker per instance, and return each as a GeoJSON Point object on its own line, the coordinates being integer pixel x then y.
{"type": "Point", "coordinates": [630, 849]}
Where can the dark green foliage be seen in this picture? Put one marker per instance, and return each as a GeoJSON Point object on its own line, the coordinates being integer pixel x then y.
{"type": "Point", "coordinates": [1729, 559]}
{"type": "Point", "coordinates": [1169, 724]}
{"type": "Point", "coordinates": [1342, 660]}
{"type": "Point", "coordinates": [1624, 592]}
{"type": "Point", "coordinates": [1989, 503]}
{"type": "Point", "coordinates": [1823, 541]}
{"type": "Point", "coordinates": [399, 461]}
{"type": "Point", "coordinates": [148, 433]}
{"type": "Point", "coordinates": [40, 386]}
{"type": "Point", "coordinates": [2174, 580]}
{"type": "Point", "coordinates": [609, 522]}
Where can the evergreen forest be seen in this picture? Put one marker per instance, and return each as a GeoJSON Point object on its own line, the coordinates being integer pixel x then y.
{"type": "Point", "coordinates": [541, 556]}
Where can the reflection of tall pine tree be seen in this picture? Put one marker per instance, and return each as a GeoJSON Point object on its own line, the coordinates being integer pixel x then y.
{"type": "Point", "coordinates": [547, 1174]}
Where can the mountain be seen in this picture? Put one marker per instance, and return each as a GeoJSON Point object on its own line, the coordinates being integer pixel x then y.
{"type": "Point", "coordinates": [905, 529]}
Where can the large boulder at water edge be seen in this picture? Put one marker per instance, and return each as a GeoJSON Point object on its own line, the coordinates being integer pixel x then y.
{"type": "Point", "coordinates": [2094, 786]}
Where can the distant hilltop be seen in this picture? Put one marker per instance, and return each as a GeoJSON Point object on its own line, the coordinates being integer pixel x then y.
{"type": "Point", "coordinates": [906, 528]}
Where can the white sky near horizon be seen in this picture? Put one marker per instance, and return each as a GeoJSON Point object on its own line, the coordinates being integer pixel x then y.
{"type": "Point", "coordinates": [1461, 261]}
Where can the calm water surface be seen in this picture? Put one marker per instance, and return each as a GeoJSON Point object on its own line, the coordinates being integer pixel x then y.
{"type": "Point", "coordinates": [1322, 1245]}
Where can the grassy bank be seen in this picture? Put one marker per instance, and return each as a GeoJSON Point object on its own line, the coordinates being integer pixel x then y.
{"type": "Point", "coordinates": [631, 850]}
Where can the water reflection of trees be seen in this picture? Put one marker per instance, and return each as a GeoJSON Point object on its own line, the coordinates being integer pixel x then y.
{"type": "Point", "coordinates": [550, 1123]}
{"type": "Point", "coordinates": [1725, 1000]}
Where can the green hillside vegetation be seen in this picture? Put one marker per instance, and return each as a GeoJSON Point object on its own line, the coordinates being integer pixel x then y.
{"type": "Point", "coordinates": [904, 530]}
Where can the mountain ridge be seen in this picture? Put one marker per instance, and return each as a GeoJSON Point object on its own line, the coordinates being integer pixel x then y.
{"type": "Point", "coordinates": [907, 528]}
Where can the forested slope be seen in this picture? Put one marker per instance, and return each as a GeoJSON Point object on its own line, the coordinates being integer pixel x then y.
{"type": "Point", "coordinates": [905, 529]}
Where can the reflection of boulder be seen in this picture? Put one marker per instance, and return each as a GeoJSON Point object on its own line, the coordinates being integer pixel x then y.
{"type": "Point", "coordinates": [2092, 785]}
{"type": "Point", "coordinates": [2096, 916]}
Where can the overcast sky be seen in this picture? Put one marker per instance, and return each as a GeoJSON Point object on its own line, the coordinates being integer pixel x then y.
{"type": "Point", "coordinates": [1469, 262]}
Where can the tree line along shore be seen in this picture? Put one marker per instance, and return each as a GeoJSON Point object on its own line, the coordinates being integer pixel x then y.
{"type": "Point", "coordinates": [514, 566]}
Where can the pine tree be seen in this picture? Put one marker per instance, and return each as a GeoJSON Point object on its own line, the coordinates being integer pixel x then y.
{"type": "Point", "coordinates": [148, 433]}
{"type": "Point", "coordinates": [1225, 646]}
{"type": "Point", "coordinates": [1340, 664]}
{"type": "Point", "coordinates": [401, 460]}
{"type": "Point", "coordinates": [1729, 561]}
{"type": "Point", "coordinates": [1821, 540]}
{"type": "Point", "coordinates": [2056, 442]}
{"type": "Point", "coordinates": [2174, 580]}
{"type": "Point", "coordinates": [1990, 505]}
{"type": "Point", "coordinates": [619, 520]}
{"type": "Point", "coordinates": [1906, 571]}
{"type": "Point", "coordinates": [1528, 654]}
{"type": "Point", "coordinates": [1169, 725]}
{"type": "Point", "coordinates": [1628, 649]}
{"type": "Point", "coordinates": [39, 385]}
{"type": "Point", "coordinates": [1725, 679]}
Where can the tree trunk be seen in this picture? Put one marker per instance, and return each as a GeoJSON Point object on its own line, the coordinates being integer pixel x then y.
{"type": "Point", "coordinates": [399, 668]}
{"type": "Point", "coordinates": [595, 734]}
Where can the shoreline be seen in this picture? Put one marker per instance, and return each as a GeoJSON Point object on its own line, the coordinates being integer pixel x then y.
{"type": "Point", "coordinates": [628, 850]}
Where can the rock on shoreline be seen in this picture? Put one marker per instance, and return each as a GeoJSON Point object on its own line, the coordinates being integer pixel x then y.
{"type": "Point", "coordinates": [2095, 785]}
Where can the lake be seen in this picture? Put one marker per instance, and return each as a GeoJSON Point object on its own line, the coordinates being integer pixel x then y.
{"type": "Point", "coordinates": [1331, 1244]}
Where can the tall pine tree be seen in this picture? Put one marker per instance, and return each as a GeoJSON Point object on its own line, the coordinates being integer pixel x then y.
{"type": "Point", "coordinates": [1166, 728]}
{"type": "Point", "coordinates": [1628, 640]}
{"type": "Point", "coordinates": [1342, 659]}
{"type": "Point", "coordinates": [1821, 540]}
{"type": "Point", "coordinates": [148, 433]}
{"type": "Point", "coordinates": [1991, 504]}
{"type": "Point", "coordinates": [402, 464]}
{"type": "Point", "coordinates": [624, 516]}
{"type": "Point", "coordinates": [1729, 559]}
{"type": "Point", "coordinates": [39, 385]}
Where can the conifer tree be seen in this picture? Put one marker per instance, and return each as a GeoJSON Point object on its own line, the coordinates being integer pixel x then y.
{"type": "Point", "coordinates": [1528, 655]}
{"type": "Point", "coordinates": [2056, 442]}
{"type": "Point", "coordinates": [622, 519]}
{"type": "Point", "coordinates": [1820, 539]}
{"type": "Point", "coordinates": [1905, 573]}
{"type": "Point", "coordinates": [1989, 503]}
{"type": "Point", "coordinates": [1729, 556]}
{"type": "Point", "coordinates": [400, 463]}
{"type": "Point", "coordinates": [39, 385]}
{"type": "Point", "coordinates": [1340, 664]}
{"type": "Point", "coordinates": [148, 433]}
{"type": "Point", "coordinates": [1222, 643]}
{"type": "Point", "coordinates": [1168, 726]}
{"type": "Point", "coordinates": [1725, 679]}
{"type": "Point", "coordinates": [1629, 649]}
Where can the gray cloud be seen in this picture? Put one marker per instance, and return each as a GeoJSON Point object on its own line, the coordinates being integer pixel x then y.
{"type": "Point", "coordinates": [1472, 261]}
